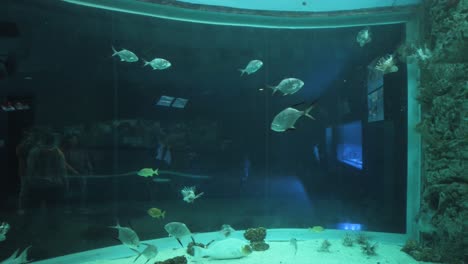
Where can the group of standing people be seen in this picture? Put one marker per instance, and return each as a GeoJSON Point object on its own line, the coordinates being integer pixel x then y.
{"type": "Point", "coordinates": [46, 165]}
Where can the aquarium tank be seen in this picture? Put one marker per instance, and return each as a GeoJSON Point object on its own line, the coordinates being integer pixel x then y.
{"type": "Point", "coordinates": [248, 131]}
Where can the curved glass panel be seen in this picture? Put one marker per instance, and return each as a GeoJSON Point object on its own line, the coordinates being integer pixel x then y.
{"type": "Point", "coordinates": [283, 131]}
{"type": "Point", "coordinates": [278, 14]}
{"type": "Point", "coordinates": [301, 6]}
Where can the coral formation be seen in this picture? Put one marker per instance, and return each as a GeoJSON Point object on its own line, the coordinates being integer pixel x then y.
{"type": "Point", "coordinates": [369, 249]}
{"type": "Point", "coordinates": [176, 260]}
{"type": "Point", "coordinates": [348, 240]}
{"type": "Point", "coordinates": [449, 28]}
{"type": "Point", "coordinates": [259, 246]}
{"type": "Point", "coordinates": [325, 246]}
{"type": "Point", "coordinates": [257, 236]}
{"type": "Point", "coordinates": [443, 94]}
{"type": "Point", "coordinates": [362, 238]}
{"type": "Point", "coordinates": [420, 253]}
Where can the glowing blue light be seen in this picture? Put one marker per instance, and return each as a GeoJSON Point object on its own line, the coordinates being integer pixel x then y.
{"type": "Point", "coordinates": [349, 147]}
{"type": "Point", "coordinates": [350, 226]}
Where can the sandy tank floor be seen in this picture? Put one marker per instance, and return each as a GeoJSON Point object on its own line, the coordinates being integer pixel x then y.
{"type": "Point", "coordinates": [280, 252]}
{"type": "Point", "coordinates": [283, 253]}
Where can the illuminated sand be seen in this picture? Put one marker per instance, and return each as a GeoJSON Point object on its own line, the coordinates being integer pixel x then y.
{"type": "Point", "coordinates": [280, 252]}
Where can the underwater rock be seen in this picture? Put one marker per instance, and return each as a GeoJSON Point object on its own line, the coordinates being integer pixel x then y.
{"type": "Point", "coordinates": [448, 29]}
{"type": "Point", "coordinates": [425, 254]}
{"type": "Point", "coordinates": [190, 246]}
{"type": "Point", "coordinates": [255, 234]}
{"type": "Point", "coordinates": [259, 246]}
{"type": "Point", "coordinates": [176, 260]}
{"type": "Point", "coordinates": [443, 94]}
{"type": "Point", "coordinates": [410, 245]}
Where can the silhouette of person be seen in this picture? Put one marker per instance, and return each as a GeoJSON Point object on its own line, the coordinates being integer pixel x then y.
{"type": "Point", "coordinates": [45, 180]}
{"type": "Point", "coordinates": [79, 164]}
{"type": "Point", "coordinates": [29, 140]}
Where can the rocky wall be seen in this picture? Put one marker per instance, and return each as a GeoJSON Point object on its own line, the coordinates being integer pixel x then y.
{"type": "Point", "coordinates": [443, 94]}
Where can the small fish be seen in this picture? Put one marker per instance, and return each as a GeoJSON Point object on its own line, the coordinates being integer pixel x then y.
{"type": "Point", "coordinates": [156, 213]}
{"type": "Point", "coordinates": [423, 54]}
{"type": "Point", "coordinates": [15, 259]}
{"type": "Point", "coordinates": [288, 86]}
{"type": "Point", "coordinates": [125, 55]}
{"type": "Point", "coordinates": [127, 236]}
{"type": "Point", "coordinates": [149, 252]}
{"type": "Point", "coordinates": [177, 229]}
{"type": "Point", "coordinates": [316, 229]}
{"type": "Point", "coordinates": [293, 243]}
{"type": "Point", "coordinates": [386, 64]}
{"type": "Point", "coordinates": [364, 36]}
{"type": "Point", "coordinates": [286, 119]}
{"type": "Point", "coordinates": [252, 66]}
{"type": "Point", "coordinates": [188, 194]}
{"type": "Point", "coordinates": [158, 64]}
{"type": "Point", "coordinates": [148, 172]}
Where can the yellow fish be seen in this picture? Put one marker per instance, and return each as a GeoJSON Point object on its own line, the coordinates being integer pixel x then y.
{"type": "Point", "coordinates": [156, 213]}
{"type": "Point", "coordinates": [316, 229]}
{"type": "Point", "coordinates": [148, 172]}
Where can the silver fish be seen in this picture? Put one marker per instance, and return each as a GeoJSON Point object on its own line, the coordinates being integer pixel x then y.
{"type": "Point", "coordinates": [125, 55]}
{"type": "Point", "coordinates": [252, 66]}
{"type": "Point", "coordinates": [177, 230]}
{"type": "Point", "coordinates": [364, 36]}
{"type": "Point", "coordinates": [127, 236]}
{"type": "Point", "coordinates": [149, 252]}
{"type": "Point", "coordinates": [15, 259]}
{"type": "Point", "coordinates": [158, 64]}
{"type": "Point", "coordinates": [288, 86]}
{"type": "Point", "coordinates": [287, 118]}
